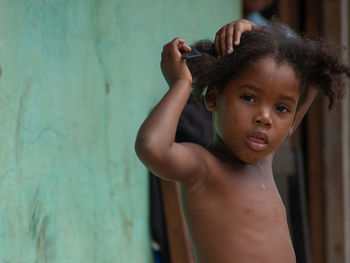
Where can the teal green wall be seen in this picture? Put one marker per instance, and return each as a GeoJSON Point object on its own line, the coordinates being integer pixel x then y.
{"type": "Point", "coordinates": [78, 78]}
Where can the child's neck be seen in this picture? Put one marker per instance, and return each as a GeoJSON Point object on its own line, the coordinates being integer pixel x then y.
{"type": "Point", "coordinates": [224, 153]}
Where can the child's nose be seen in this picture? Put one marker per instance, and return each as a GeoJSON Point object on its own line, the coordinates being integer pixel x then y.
{"type": "Point", "coordinates": [263, 118]}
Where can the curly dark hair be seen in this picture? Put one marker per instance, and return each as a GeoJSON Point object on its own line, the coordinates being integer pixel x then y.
{"type": "Point", "coordinates": [317, 64]}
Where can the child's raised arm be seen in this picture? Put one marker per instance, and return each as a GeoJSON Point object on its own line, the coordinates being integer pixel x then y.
{"type": "Point", "coordinates": [155, 144]}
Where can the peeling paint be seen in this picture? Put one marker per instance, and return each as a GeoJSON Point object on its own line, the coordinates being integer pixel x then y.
{"type": "Point", "coordinates": [126, 224]}
{"type": "Point", "coordinates": [38, 228]}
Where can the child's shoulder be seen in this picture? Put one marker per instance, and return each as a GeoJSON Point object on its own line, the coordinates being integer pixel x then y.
{"type": "Point", "coordinates": [214, 165]}
{"type": "Point", "coordinates": [207, 162]}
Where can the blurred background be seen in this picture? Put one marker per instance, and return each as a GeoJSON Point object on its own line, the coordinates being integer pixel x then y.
{"type": "Point", "coordinates": [77, 80]}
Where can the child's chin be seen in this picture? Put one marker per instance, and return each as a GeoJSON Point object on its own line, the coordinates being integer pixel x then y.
{"type": "Point", "coordinates": [252, 160]}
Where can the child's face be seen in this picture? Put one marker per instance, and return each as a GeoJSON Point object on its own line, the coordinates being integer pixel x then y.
{"type": "Point", "coordinates": [254, 113]}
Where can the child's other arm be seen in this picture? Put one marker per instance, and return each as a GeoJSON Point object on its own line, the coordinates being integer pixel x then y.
{"type": "Point", "coordinates": [230, 35]}
{"type": "Point", "coordinates": [155, 144]}
{"type": "Point", "coordinates": [304, 108]}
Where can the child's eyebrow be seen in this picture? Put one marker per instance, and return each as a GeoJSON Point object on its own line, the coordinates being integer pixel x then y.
{"type": "Point", "coordinates": [251, 87]}
{"type": "Point", "coordinates": [290, 98]}
{"type": "Point", "coordinates": [257, 89]}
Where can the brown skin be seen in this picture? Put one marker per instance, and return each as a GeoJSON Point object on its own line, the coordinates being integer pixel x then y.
{"type": "Point", "coordinates": [231, 204]}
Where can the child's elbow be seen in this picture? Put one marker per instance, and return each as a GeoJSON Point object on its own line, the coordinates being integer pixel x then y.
{"type": "Point", "coordinates": [147, 152]}
{"type": "Point", "coordinates": [140, 147]}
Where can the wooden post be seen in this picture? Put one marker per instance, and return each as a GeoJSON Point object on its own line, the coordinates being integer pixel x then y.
{"type": "Point", "coordinates": [315, 179]}
{"type": "Point", "coordinates": [336, 148]}
{"type": "Point", "coordinates": [314, 144]}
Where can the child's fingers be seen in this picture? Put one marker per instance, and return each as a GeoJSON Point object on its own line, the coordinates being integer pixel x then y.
{"type": "Point", "coordinates": [180, 44]}
{"type": "Point", "coordinates": [185, 47]}
{"type": "Point", "coordinates": [254, 26]}
{"type": "Point", "coordinates": [237, 34]}
{"type": "Point", "coordinates": [171, 44]}
{"type": "Point", "coordinates": [240, 28]}
{"type": "Point", "coordinates": [222, 42]}
{"type": "Point", "coordinates": [175, 44]}
{"type": "Point", "coordinates": [229, 36]}
{"type": "Point", "coordinates": [217, 44]}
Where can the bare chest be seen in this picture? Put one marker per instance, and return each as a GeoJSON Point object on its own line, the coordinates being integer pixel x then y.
{"type": "Point", "coordinates": [242, 212]}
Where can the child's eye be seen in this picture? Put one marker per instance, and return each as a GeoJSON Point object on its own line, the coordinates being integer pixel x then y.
{"type": "Point", "coordinates": [282, 108]}
{"type": "Point", "coordinates": [248, 98]}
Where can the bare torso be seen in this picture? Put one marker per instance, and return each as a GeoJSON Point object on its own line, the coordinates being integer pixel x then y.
{"type": "Point", "coordinates": [235, 214]}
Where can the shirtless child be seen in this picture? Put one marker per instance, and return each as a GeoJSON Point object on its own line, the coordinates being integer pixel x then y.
{"type": "Point", "coordinates": [258, 95]}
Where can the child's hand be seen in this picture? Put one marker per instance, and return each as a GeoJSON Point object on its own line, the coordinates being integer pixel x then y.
{"type": "Point", "coordinates": [174, 68]}
{"type": "Point", "coordinates": [230, 35]}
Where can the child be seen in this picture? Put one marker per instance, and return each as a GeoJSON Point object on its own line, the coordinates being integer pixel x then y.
{"type": "Point", "coordinates": [258, 94]}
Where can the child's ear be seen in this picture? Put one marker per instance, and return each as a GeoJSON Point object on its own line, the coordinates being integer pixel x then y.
{"type": "Point", "coordinates": [210, 99]}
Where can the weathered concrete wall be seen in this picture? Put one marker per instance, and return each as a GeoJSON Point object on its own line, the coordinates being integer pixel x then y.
{"type": "Point", "coordinates": [78, 78]}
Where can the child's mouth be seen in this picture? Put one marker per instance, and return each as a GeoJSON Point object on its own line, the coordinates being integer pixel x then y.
{"type": "Point", "coordinates": [257, 142]}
